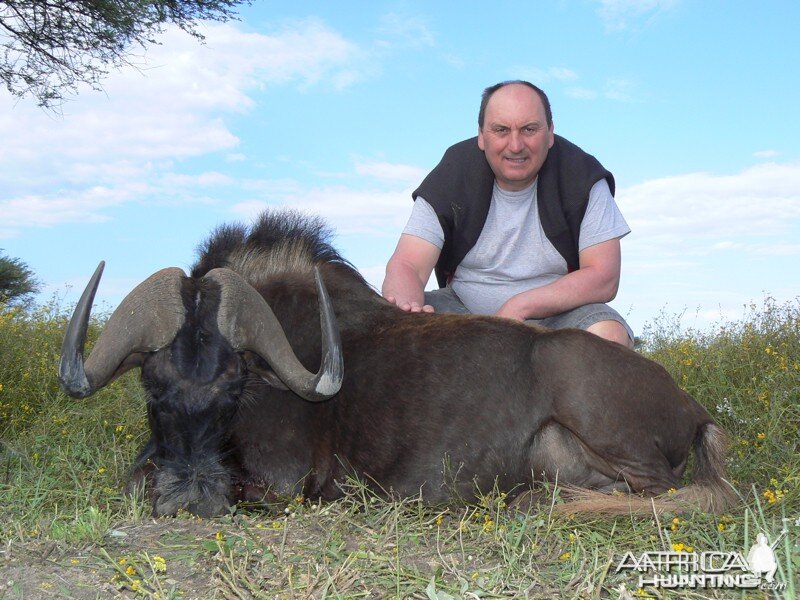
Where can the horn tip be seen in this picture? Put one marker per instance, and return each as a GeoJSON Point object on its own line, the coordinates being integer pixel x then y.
{"type": "Point", "coordinates": [72, 380]}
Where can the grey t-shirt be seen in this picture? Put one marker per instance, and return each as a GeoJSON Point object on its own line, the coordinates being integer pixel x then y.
{"type": "Point", "coordinates": [513, 254]}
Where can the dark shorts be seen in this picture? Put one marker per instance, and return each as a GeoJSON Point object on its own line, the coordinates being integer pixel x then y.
{"type": "Point", "coordinates": [583, 317]}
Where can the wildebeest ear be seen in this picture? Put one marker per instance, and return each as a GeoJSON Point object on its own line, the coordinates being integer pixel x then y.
{"type": "Point", "coordinates": [260, 367]}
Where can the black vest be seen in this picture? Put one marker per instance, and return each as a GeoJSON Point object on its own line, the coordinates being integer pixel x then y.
{"type": "Point", "coordinates": [460, 191]}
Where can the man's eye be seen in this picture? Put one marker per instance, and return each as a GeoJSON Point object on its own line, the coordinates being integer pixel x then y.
{"type": "Point", "coordinates": [531, 130]}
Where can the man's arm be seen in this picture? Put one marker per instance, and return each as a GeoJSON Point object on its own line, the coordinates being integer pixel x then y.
{"type": "Point", "coordinates": [597, 280]}
{"type": "Point", "coordinates": [408, 271]}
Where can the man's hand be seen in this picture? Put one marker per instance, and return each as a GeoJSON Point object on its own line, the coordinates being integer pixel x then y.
{"type": "Point", "coordinates": [410, 306]}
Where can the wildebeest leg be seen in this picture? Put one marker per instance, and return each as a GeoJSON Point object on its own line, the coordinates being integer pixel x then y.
{"type": "Point", "coordinates": [141, 474]}
{"type": "Point", "coordinates": [557, 454]}
{"type": "Point", "coordinates": [557, 451]}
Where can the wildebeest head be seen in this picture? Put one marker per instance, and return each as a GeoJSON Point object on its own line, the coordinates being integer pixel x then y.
{"type": "Point", "coordinates": [195, 340]}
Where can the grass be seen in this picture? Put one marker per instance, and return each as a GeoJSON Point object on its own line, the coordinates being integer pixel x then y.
{"type": "Point", "coordinates": [65, 462]}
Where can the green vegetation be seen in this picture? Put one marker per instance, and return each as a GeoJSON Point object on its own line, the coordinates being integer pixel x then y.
{"type": "Point", "coordinates": [67, 530]}
{"type": "Point", "coordinates": [17, 282]}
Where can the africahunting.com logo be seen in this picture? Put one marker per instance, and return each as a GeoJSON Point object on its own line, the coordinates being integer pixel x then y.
{"type": "Point", "coordinates": [709, 569]}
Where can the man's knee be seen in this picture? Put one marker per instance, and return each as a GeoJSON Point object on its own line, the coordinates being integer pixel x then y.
{"type": "Point", "coordinates": [613, 331]}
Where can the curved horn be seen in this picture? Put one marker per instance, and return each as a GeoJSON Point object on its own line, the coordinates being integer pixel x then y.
{"type": "Point", "coordinates": [145, 321]}
{"type": "Point", "coordinates": [246, 320]}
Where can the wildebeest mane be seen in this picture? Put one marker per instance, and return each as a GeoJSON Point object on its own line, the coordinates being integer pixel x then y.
{"type": "Point", "coordinates": [278, 242]}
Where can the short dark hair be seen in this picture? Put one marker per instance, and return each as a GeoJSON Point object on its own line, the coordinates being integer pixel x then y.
{"type": "Point", "coordinates": [489, 91]}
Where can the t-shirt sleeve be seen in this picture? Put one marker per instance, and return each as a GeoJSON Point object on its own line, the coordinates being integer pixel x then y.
{"type": "Point", "coordinates": [603, 221]}
{"type": "Point", "coordinates": [423, 223]}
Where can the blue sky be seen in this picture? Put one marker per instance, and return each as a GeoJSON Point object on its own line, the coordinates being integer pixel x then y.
{"type": "Point", "coordinates": [340, 109]}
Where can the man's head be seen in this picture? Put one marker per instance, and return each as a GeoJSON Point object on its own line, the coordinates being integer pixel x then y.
{"type": "Point", "coordinates": [515, 131]}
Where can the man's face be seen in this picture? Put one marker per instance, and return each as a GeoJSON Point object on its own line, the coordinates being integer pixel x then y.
{"type": "Point", "coordinates": [515, 136]}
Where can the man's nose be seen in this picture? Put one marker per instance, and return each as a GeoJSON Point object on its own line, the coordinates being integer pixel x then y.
{"type": "Point", "coordinates": [515, 142]}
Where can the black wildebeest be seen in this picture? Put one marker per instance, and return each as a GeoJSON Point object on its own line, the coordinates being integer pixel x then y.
{"type": "Point", "coordinates": [429, 403]}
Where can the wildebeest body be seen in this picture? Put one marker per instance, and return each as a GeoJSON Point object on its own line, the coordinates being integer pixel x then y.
{"type": "Point", "coordinates": [442, 405]}
{"type": "Point", "coordinates": [424, 394]}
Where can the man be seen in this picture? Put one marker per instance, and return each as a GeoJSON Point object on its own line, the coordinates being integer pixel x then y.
{"type": "Point", "coordinates": [518, 223]}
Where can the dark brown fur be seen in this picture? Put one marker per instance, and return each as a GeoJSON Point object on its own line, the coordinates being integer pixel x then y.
{"type": "Point", "coordinates": [444, 405]}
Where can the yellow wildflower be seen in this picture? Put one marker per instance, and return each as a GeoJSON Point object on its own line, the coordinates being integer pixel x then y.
{"type": "Point", "coordinates": [135, 585]}
{"type": "Point", "coordinates": [565, 556]}
{"type": "Point", "coordinates": [488, 524]}
{"type": "Point", "coordinates": [439, 520]}
{"type": "Point", "coordinates": [159, 564]}
{"type": "Point", "coordinates": [101, 470]}
{"type": "Point", "coordinates": [761, 436]}
{"type": "Point", "coordinates": [676, 522]}
{"type": "Point", "coordinates": [130, 571]}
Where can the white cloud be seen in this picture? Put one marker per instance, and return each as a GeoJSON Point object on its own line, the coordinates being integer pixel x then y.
{"type": "Point", "coordinates": [581, 93]}
{"type": "Point", "coordinates": [619, 15]}
{"type": "Point", "coordinates": [766, 154]}
{"type": "Point", "coordinates": [110, 148]}
{"type": "Point", "coordinates": [367, 212]}
{"type": "Point", "coordinates": [700, 212]}
{"type": "Point", "coordinates": [779, 249]}
{"type": "Point", "coordinates": [619, 89]}
{"type": "Point", "coordinates": [405, 30]}
{"type": "Point", "coordinates": [44, 211]}
{"type": "Point", "coordinates": [384, 171]}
